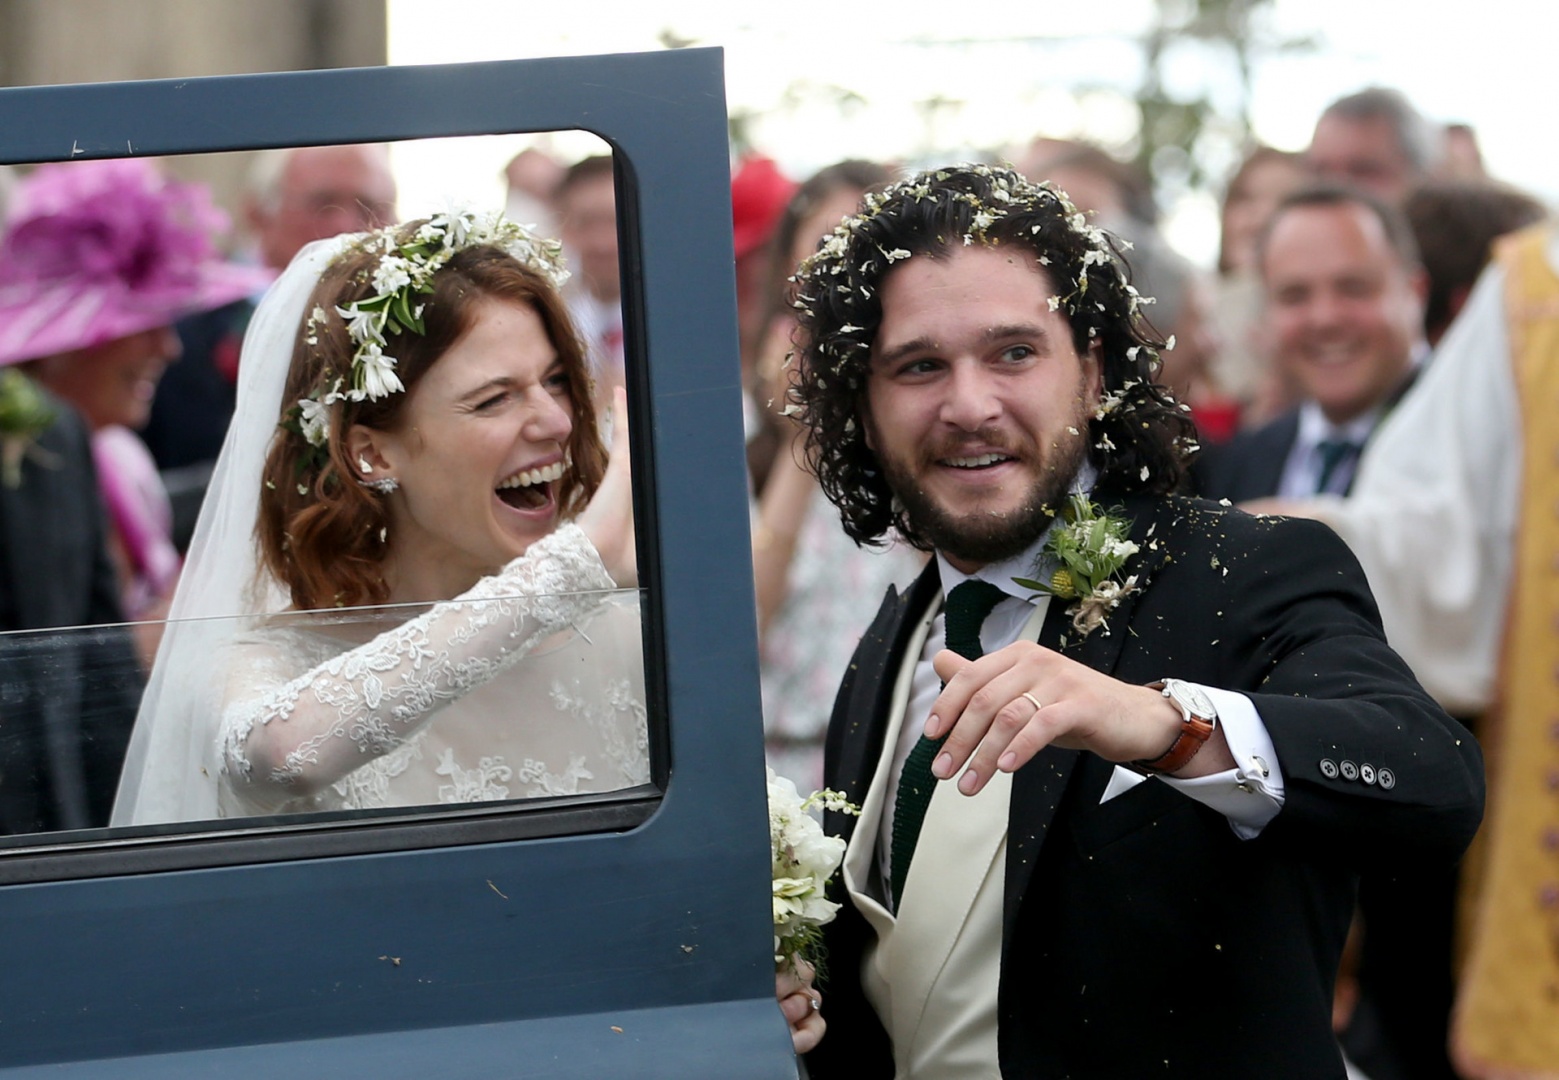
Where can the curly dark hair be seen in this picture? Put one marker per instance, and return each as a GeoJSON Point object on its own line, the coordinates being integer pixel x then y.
{"type": "Point", "coordinates": [318, 530]}
{"type": "Point", "coordinates": [1140, 439]}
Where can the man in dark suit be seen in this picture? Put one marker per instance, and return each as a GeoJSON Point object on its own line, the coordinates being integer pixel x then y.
{"type": "Point", "coordinates": [1169, 773]}
{"type": "Point", "coordinates": [1343, 303]}
{"type": "Point", "coordinates": [68, 688]}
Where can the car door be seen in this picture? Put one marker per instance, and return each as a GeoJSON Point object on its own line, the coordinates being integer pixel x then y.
{"type": "Point", "coordinates": [617, 934]}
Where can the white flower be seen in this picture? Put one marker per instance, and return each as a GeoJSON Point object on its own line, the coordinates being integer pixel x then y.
{"type": "Point", "coordinates": [804, 858]}
{"type": "Point", "coordinates": [392, 275]}
{"type": "Point", "coordinates": [457, 227]}
{"type": "Point", "coordinates": [984, 219]}
{"type": "Point", "coordinates": [314, 421]}
{"type": "Point", "coordinates": [1120, 549]}
{"type": "Point", "coordinates": [377, 372]}
{"type": "Point", "coordinates": [1095, 258]}
{"type": "Point", "coordinates": [896, 254]}
{"type": "Point", "coordinates": [362, 325]}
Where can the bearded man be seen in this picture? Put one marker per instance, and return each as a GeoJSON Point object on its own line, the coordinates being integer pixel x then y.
{"type": "Point", "coordinates": [1167, 764]}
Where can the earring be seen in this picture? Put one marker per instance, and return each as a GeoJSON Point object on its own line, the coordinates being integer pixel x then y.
{"type": "Point", "coordinates": [382, 486]}
{"type": "Point", "coordinates": [362, 463]}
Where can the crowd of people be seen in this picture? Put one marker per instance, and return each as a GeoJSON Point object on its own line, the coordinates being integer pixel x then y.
{"type": "Point", "coordinates": [940, 374]}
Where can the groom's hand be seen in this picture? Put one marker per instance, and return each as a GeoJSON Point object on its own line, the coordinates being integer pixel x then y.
{"type": "Point", "coordinates": [991, 725]}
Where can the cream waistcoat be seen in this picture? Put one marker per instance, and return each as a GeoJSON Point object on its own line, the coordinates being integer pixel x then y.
{"type": "Point", "coordinates": [933, 972]}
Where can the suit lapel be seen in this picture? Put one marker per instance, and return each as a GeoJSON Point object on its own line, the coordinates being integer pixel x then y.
{"type": "Point", "coordinates": [863, 710]}
{"type": "Point", "coordinates": [1037, 787]}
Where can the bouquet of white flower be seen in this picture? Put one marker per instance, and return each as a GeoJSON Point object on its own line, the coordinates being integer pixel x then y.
{"type": "Point", "coordinates": [804, 860]}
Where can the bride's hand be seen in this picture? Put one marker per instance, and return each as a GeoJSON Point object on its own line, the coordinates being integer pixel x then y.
{"type": "Point", "coordinates": [608, 520]}
{"type": "Point", "coordinates": [801, 1006]}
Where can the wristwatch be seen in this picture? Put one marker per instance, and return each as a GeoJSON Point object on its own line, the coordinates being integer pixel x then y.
{"type": "Point", "coordinates": [1198, 718]}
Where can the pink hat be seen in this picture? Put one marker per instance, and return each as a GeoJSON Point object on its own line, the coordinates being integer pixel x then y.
{"type": "Point", "coordinates": [759, 192]}
{"type": "Point", "coordinates": [98, 250]}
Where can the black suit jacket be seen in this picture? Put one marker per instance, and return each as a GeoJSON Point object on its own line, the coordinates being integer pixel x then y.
{"type": "Point", "coordinates": [1141, 937]}
{"type": "Point", "coordinates": [1250, 465]}
{"type": "Point", "coordinates": [67, 698]}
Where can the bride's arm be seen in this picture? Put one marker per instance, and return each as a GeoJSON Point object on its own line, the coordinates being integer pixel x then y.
{"type": "Point", "coordinates": [294, 739]}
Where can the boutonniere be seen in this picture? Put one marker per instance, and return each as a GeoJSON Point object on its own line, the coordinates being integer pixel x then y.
{"type": "Point", "coordinates": [804, 859]}
{"type": "Point", "coordinates": [24, 415]}
{"type": "Point", "coordinates": [1089, 548]}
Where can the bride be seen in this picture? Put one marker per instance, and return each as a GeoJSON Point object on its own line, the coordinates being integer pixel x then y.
{"type": "Point", "coordinates": [414, 425]}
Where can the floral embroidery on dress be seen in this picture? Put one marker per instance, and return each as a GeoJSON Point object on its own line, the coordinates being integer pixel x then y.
{"type": "Point", "coordinates": [543, 782]}
{"type": "Point", "coordinates": [473, 785]}
{"type": "Point", "coordinates": [368, 788]}
{"type": "Point", "coordinates": [627, 750]}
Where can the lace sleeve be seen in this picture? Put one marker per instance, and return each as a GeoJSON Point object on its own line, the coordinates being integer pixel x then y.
{"type": "Point", "coordinates": [296, 738]}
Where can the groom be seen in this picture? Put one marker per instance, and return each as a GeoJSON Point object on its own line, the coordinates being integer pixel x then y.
{"type": "Point", "coordinates": [1114, 831]}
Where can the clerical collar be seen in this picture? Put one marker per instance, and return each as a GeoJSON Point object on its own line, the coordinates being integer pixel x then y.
{"type": "Point", "coordinates": [1023, 564]}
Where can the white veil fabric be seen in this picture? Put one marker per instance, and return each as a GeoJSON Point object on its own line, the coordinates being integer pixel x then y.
{"type": "Point", "coordinates": [171, 769]}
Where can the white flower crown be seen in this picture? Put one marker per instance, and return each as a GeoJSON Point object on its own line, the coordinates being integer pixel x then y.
{"type": "Point", "coordinates": [406, 271]}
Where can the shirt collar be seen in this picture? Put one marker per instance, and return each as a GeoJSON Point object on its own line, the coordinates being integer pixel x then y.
{"type": "Point", "coordinates": [1315, 427]}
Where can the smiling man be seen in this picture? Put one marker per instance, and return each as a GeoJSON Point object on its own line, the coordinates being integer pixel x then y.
{"type": "Point", "coordinates": [1166, 775]}
{"type": "Point", "coordinates": [1343, 304]}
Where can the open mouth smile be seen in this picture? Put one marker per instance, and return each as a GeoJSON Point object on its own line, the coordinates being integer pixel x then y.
{"type": "Point", "coordinates": [530, 489]}
{"type": "Point", "coordinates": [975, 461]}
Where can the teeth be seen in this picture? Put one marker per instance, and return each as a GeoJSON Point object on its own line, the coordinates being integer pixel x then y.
{"type": "Point", "coordinates": [528, 477]}
{"type": "Point", "coordinates": [976, 461]}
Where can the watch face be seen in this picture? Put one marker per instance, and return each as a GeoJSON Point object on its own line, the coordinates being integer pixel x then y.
{"type": "Point", "coordinates": [1190, 697]}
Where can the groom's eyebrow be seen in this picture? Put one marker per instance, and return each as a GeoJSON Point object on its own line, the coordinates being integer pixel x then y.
{"type": "Point", "coordinates": [1002, 332]}
{"type": "Point", "coordinates": [924, 343]}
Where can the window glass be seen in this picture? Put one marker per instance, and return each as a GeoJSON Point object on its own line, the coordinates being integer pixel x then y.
{"type": "Point", "coordinates": [388, 600]}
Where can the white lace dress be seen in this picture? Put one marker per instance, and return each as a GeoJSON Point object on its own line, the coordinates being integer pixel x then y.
{"type": "Point", "coordinates": [530, 684]}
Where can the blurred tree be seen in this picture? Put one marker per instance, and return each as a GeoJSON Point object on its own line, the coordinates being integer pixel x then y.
{"type": "Point", "coordinates": [1193, 129]}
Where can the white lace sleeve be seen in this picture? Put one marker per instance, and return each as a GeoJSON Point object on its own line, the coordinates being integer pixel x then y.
{"type": "Point", "coordinates": [282, 741]}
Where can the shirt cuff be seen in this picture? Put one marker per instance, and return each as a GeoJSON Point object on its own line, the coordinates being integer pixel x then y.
{"type": "Point", "coordinates": [1251, 793]}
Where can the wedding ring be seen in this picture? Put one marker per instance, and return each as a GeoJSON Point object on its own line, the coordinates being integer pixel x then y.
{"type": "Point", "coordinates": [816, 1003]}
{"type": "Point", "coordinates": [1033, 700]}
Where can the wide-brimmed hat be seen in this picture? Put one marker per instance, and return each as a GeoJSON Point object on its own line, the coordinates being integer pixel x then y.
{"type": "Point", "coordinates": [98, 250]}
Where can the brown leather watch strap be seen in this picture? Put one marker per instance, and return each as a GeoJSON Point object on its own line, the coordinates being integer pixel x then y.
{"type": "Point", "coordinates": [1194, 729]}
{"type": "Point", "coordinates": [1193, 736]}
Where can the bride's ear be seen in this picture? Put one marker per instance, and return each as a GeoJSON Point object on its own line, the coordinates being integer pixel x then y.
{"type": "Point", "coordinates": [366, 449]}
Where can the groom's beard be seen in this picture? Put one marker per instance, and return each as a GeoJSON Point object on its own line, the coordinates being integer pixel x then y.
{"type": "Point", "coordinates": [986, 537]}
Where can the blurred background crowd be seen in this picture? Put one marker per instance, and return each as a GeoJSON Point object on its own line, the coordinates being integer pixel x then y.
{"type": "Point", "coordinates": [1308, 287]}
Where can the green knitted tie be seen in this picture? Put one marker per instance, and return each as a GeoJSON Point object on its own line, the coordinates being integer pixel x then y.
{"type": "Point", "coordinates": [967, 606]}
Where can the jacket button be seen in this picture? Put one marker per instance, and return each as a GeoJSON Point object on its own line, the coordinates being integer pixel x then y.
{"type": "Point", "coordinates": [1367, 773]}
{"type": "Point", "coordinates": [1386, 778]}
{"type": "Point", "coordinates": [1349, 770]}
{"type": "Point", "coordinates": [1329, 768]}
